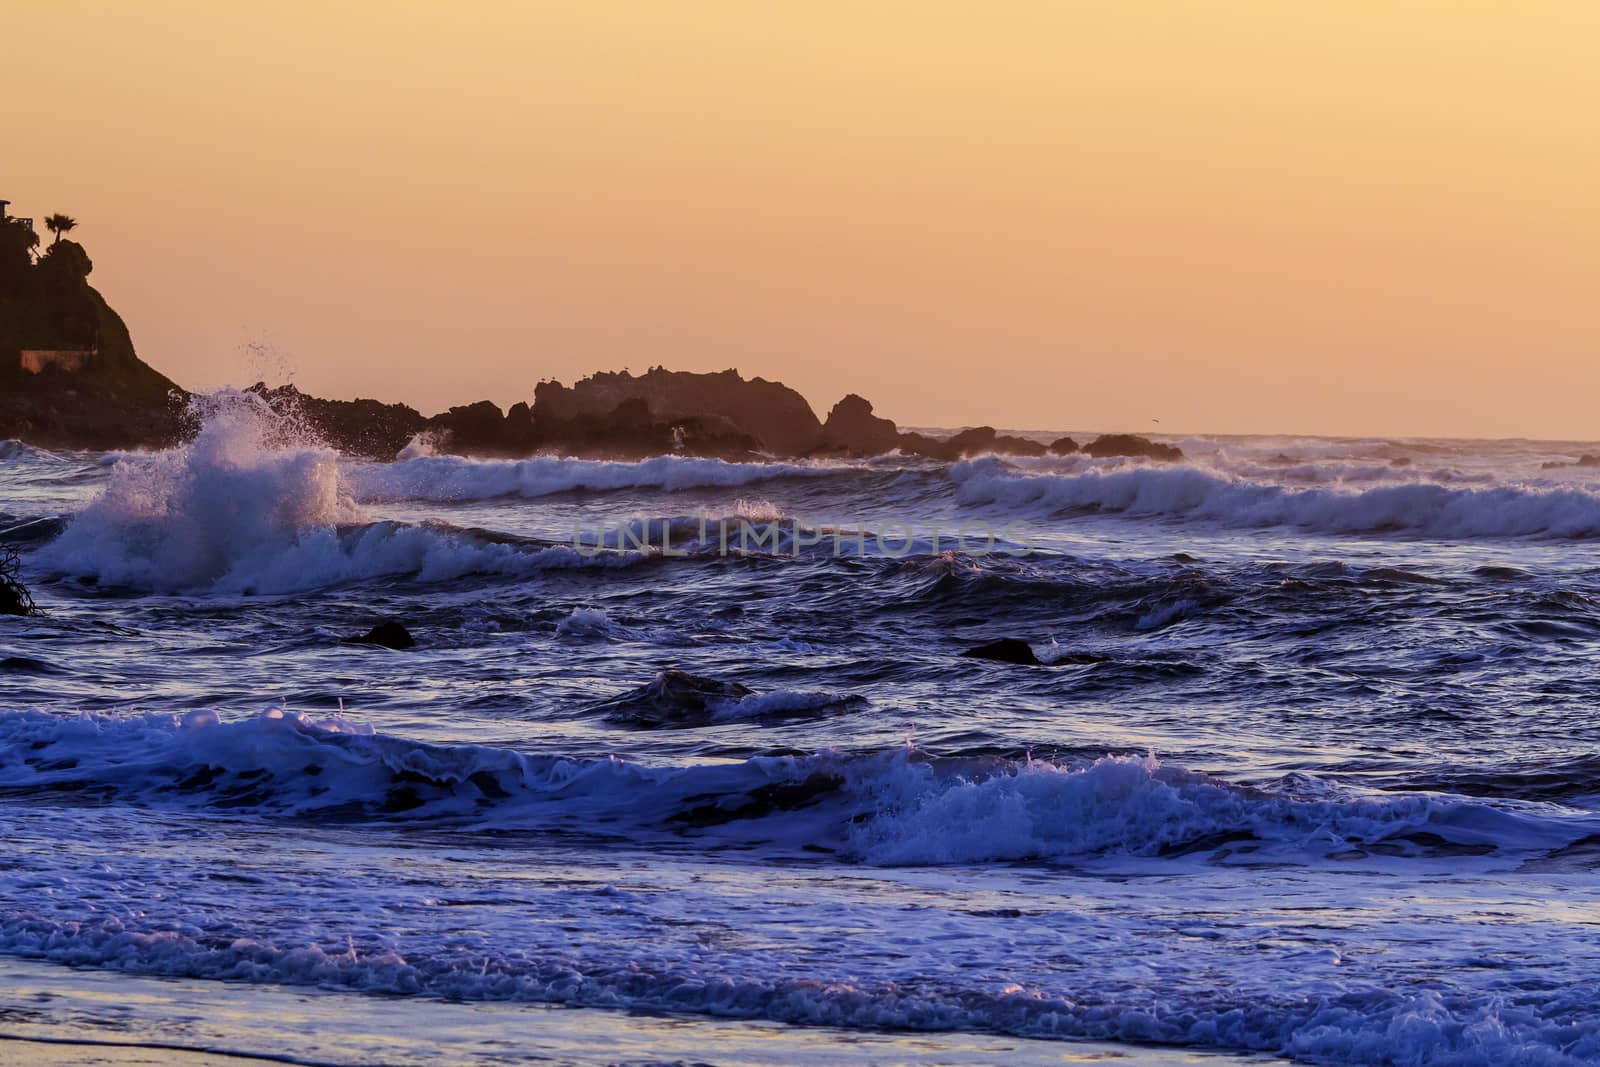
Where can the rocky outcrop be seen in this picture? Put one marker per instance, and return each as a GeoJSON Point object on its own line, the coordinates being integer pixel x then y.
{"type": "Point", "coordinates": [103, 396]}
{"type": "Point", "coordinates": [1128, 444]}
{"type": "Point", "coordinates": [1588, 459]}
{"type": "Point", "coordinates": [768, 412]}
{"type": "Point", "coordinates": [986, 439]}
{"type": "Point", "coordinates": [853, 428]}
{"type": "Point", "coordinates": [1063, 446]}
{"type": "Point", "coordinates": [358, 427]}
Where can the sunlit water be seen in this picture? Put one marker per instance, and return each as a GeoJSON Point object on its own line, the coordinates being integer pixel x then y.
{"type": "Point", "coordinates": [1310, 769]}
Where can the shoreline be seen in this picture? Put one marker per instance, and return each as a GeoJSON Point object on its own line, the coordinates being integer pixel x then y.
{"type": "Point", "coordinates": [53, 1014]}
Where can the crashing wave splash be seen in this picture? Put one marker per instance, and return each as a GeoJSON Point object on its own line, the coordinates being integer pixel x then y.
{"type": "Point", "coordinates": [250, 506]}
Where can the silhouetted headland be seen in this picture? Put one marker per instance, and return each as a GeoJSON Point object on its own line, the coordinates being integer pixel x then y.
{"type": "Point", "coordinates": [70, 378]}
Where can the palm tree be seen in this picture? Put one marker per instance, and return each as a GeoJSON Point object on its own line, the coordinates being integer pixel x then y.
{"type": "Point", "coordinates": [59, 225]}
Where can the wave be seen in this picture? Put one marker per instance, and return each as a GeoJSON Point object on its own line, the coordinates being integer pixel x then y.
{"type": "Point", "coordinates": [456, 479]}
{"type": "Point", "coordinates": [885, 807]}
{"type": "Point", "coordinates": [1193, 495]}
{"type": "Point", "coordinates": [15, 451]}
{"type": "Point", "coordinates": [1358, 1023]}
{"type": "Point", "coordinates": [895, 807]}
{"type": "Point", "coordinates": [242, 510]}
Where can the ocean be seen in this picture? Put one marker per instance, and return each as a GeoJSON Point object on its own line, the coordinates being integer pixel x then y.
{"type": "Point", "coordinates": [689, 750]}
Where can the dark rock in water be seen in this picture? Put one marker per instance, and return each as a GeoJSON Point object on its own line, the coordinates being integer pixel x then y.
{"type": "Point", "coordinates": [1007, 445]}
{"type": "Point", "coordinates": [1280, 460]}
{"type": "Point", "coordinates": [1400, 461]}
{"type": "Point", "coordinates": [475, 427]}
{"type": "Point", "coordinates": [986, 439]}
{"type": "Point", "coordinates": [389, 634]}
{"type": "Point", "coordinates": [977, 439]}
{"type": "Point", "coordinates": [1063, 446]}
{"type": "Point", "coordinates": [1128, 444]}
{"type": "Point", "coordinates": [919, 444]}
{"type": "Point", "coordinates": [677, 699]}
{"type": "Point", "coordinates": [1005, 650]}
{"type": "Point", "coordinates": [674, 698]}
{"type": "Point", "coordinates": [852, 427]}
{"type": "Point", "coordinates": [1588, 459]}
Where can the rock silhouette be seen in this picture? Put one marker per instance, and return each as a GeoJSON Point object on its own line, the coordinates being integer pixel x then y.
{"type": "Point", "coordinates": [1006, 650]}
{"type": "Point", "coordinates": [389, 634]}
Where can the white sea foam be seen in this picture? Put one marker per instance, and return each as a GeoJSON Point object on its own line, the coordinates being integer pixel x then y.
{"type": "Point", "coordinates": [780, 703]}
{"type": "Point", "coordinates": [890, 808]}
{"type": "Point", "coordinates": [1188, 493]}
{"type": "Point", "coordinates": [587, 623]}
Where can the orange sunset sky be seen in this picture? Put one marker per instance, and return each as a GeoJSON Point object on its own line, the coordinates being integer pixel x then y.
{"type": "Point", "coordinates": [1327, 216]}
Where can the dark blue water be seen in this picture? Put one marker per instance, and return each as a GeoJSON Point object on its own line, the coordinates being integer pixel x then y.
{"type": "Point", "coordinates": [1308, 767]}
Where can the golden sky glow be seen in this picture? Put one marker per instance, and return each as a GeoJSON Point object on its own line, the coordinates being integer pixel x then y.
{"type": "Point", "coordinates": [1333, 216]}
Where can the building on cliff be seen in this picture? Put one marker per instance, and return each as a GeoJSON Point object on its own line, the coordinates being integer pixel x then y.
{"type": "Point", "coordinates": [6, 215]}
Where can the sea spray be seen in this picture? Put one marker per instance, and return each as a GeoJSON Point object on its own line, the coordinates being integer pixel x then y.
{"type": "Point", "coordinates": [251, 506]}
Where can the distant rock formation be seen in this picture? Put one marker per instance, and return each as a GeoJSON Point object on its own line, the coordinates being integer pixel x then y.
{"type": "Point", "coordinates": [986, 439]}
{"type": "Point", "coordinates": [359, 427]}
{"type": "Point", "coordinates": [770, 413]}
{"type": "Point", "coordinates": [1128, 444]}
{"type": "Point", "coordinates": [1588, 459]}
{"type": "Point", "coordinates": [853, 428]}
{"type": "Point", "coordinates": [1063, 446]}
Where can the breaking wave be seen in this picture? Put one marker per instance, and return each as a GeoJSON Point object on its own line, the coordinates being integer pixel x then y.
{"type": "Point", "coordinates": [417, 476]}
{"type": "Point", "coordinates": [245, 509]}
{"type": "Point", "coordinates": [892, 807]}
{"type": "Point", "coordinates": [1193, 495]}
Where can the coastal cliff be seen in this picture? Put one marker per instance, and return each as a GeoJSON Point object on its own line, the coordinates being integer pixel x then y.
{"type": "Point", "coordinates": [69, 376]}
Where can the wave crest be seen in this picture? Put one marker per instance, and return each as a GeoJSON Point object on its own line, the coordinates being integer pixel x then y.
{"type": "Point", "coordinates": [897, 807]}
{"type": "Point", "coordinates": [1193, 495]}
{"type": "Point", "coordinates": [455, 478]}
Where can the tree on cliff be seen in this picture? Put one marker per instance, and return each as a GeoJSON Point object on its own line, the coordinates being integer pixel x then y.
{"type": "Point", "coordinates": [59, 224]}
